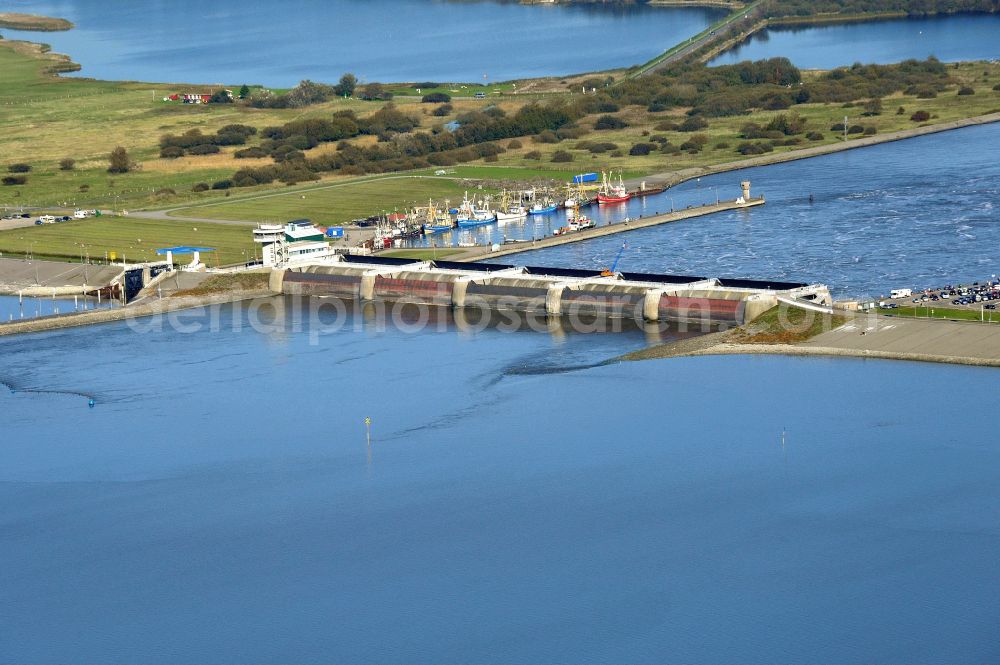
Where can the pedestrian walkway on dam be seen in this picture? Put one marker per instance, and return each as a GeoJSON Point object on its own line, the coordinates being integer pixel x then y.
{"type": "Point", "coordinates": [18, 275]}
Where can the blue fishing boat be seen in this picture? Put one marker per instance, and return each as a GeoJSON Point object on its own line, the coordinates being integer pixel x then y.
{"type": "Point", "coordinates": [479, 219]}
{"type": "Point", "coordinates": [542, 209]}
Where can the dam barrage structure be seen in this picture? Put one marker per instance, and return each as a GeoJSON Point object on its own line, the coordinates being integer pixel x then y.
{"type": "Point", "coordinates": [549, 291]}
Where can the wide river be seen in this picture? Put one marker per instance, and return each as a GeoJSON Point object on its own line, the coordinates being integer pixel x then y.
{"type": "Point", "coordinates": [518, 503]}
{"type": "Point", "coordinates": [280, 43]}
{"type": "Point", "coordinates": [917, 213]}
{"type": "Point", "coordinates": [948, 38]}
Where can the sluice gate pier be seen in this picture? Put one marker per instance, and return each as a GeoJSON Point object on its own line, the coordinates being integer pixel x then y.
{"type": "Point", "coordinates": [549, 291]}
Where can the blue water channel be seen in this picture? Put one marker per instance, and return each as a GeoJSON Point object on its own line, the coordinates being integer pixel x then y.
{"type": "Point", "coordinates": [14, 308]}
{"type": "Point", "coordinates": [948, 38]}
{"type": "Point", "coordinates": [279, 44]}
{"type": "Point", "coordinates": [917, 213]}
{"type": "Point", "coordinates": [519, 501]}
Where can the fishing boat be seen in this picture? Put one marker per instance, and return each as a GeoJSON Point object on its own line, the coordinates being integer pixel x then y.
{"type": "Point", "coordinates": [611, 192]}
{"type": "Point", "coordinates": [510, 212]}
{"type": "Point", "coordinates": [542, 208]}
{"type": "Point", "coordinates": [576, 222]}
{"type": "Point", "coordinates": [514, 213]}
{"type": "Point", "coordinates": [470, 216]}
{"type": "Point", "coordinates": [437, 221]}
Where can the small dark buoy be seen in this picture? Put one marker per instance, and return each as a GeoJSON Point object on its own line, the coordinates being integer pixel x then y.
{"type": "Point", "coordinates": [811, 199]}
{"type": "Point", "coordinates": [91, 403]}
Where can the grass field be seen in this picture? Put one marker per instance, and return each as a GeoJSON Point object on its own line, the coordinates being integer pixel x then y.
{"type": "Point", "coordinates": [44, 119]}
{"type": "Point", "coordinates": [335, 203]}
{"type": "Point", "coordinates": [135, 239]}
{"type": "Point", "coordinates": [950, 313]}
{"type": "Point", "coordinates": [342, 201]}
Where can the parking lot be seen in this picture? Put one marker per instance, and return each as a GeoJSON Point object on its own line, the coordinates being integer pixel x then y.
{"type": "Point", "coordinates": [984, 295]}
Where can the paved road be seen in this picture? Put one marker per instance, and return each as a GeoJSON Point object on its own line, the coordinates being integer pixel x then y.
{"type": "Point", "coordinates": [920, 337]}
{"type": "Point", "coordinates": [699, 42]}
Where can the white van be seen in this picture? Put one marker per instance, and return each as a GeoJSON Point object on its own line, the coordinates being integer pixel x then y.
{"type": "Point", "coordinates": [47, 219]}
{"type": "Point", "coordinates": [901, 293]}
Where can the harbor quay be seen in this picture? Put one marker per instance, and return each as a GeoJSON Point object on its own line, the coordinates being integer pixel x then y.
{"type": "Point", "coordinates": [631, 224]}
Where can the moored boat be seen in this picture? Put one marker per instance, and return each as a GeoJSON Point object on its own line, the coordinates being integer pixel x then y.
{"type": "Point", "coordinates": [611, 192]}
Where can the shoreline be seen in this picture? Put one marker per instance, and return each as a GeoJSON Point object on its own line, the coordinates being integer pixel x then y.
{"type": "Point", "coordinates": [674, 178]}
{"type": "Point", "coordinates": [872, 337]}
{"type": "Point", "coordinates": [33, 22]}
{"type": "Point", "coordinates": [730, 349]}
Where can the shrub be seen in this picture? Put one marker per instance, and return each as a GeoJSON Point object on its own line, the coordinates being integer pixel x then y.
{"type": "Point", "coordinates": [491, 158]}
{"type": "Point", "coordinates": [222, 184]}
{"type": "Point", "coordinates": [598, 148]}
{"type": "Point", "coordinates": [965, 91]}
{"type": "Point", "coordinates": [873, 107]}
{"type": "Point", "coordinates": [657, 107]}
{"type": "Point", "coordinates": [787, 124]}
{"type": "Point", "coordinates": [548, 136]}
{"type": "Point", "coordinates": [871, 130]}
{"type": "Point", "coordinates": [442, 110]}
{"type": "Point", "coordinates": [610, 122]}
{"type": "Point", "coordinates": [119, 161]}
{"type": "Point", "coordinates": [171, 152]}
{"type": "Point", "coordinates": [691, 147]}
{"type": "Point", "coordinates": [751, 130]}
{"type": "Point", "coordinates": [67, 164]}
{"type": "Point", "coordinates": [693, 124]}
{"type": "Point", "coordinates": [666, 126]}
{"type": "Point", "coordinates": [19, 168]}
{"type": "Point", "coordinates": [839, 127]}
{"type": "Point", "coordinates": [641, 149]}
{"type": "Point", "coordinates": [900, 111]}
{"type": "Point", "coordinates": [200, 187]}
{"type": "Point", "coordinates": [436, 98]}
{"type": "Point", "coordinates": [814, 136]}
{"type": "Point", "coordinates": [572, 132]}
{"type": "Point", "coordinates": [560, 156]}
{"type": "Point", "coordinates": [699, 139]}
{"type": "Point", "coordinates": [997, 87]}
{"type": "Point", "coordinates": [14, 180]}
{"type": "Point", "coordinates": [748, 148]}
{"type": "Point", "coordinates": [920, 116]}
{"type": "Point", "coordinates": [84, 187]}
{"type": "Point", "coordinates": [607, 107]}
{"type": "Point", "coordinates": [722, 145]}
{"type": "Point", "coordinates": [514, 145]}
{"type": "Point", "coordinates": [534, 154]}
{"type": "Point", "coordinates": [855, 129]}
{"type": "Point", "coordinates": [617, 153]}
{"type": "Point", "coordinates": [205, 149]}
{"type": "Point", "coordinates": [250, 153]}
{"type": "Point", "coordinates": [926, 93]}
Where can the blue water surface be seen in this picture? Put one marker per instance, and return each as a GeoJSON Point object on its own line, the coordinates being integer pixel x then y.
{"type": "Point", "coordinates": [280, 43]}
{"type": "Point", "coordinates": [919, 213]}
{"type": "Point", "coordinates": [949, 38]}
{"type": "Point", "coordinates": [518, 501]}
